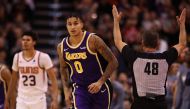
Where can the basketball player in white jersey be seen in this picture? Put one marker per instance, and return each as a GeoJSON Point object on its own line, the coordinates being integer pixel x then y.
{"type": "Point", "coordinates": [30, 67]}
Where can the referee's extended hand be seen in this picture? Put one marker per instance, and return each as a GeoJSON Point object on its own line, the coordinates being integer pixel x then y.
{"type": "Point", "coordinates": [116, 15]}
{"type": "Point", "coordinates": [181, 19]}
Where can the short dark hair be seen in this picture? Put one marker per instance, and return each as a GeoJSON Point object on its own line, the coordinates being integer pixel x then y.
{"type": "Point", "coordinates": [76, 15]}
{"type": "Point", "coordinates": [150, 39]}
{"type": "Point", "coordinates": [31, 34]}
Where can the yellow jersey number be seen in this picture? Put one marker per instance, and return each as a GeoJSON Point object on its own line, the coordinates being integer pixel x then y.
{"type": "Point", "coordinates": [78, 66]}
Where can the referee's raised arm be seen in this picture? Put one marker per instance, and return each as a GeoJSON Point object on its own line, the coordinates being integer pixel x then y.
{"type": "Point", "coordinates": [116, 30]}
{"type": "Point", "coordinates": [182, 34]}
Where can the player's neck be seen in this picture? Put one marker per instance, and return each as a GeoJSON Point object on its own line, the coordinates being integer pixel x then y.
{"type": "Point", "coordinates": [145, 49]}
{"type": "Point", "coordinates": [79, 35]}
{"type": "Point", "coordinates": [74, 40]}
{"type": "Point", "coordinates": [29, 53]}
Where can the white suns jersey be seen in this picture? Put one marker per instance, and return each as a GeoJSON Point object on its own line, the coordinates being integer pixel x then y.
{"type": "Point", "coordinates": [32, 78]}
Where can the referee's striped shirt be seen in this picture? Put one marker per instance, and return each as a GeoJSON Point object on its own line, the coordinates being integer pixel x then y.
{"type": "Point", "coordinates": [149, 70]}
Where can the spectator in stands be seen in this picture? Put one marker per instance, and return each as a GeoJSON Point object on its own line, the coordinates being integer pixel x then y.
{"type": "Point", "coordinates": [170, 83]}
{"type": "Point", "coordinates": [182, 95]}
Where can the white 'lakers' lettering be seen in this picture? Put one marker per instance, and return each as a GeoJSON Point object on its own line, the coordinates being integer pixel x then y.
{"type": "Point", "coordinates": [72, 56]}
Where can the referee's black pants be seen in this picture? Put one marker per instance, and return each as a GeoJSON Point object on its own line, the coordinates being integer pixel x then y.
{"type": "Point", "coordinates": [149, 103]}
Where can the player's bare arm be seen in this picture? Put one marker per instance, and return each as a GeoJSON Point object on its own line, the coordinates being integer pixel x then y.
{"type": "Point", "coordinates": [64, 76]}
{"type": "Point", "coordinates": [182, 34]}
{"type": "Point", "coordinates": [116, 30]}
{"type": "Point", "coordinates": [98, 45]}
{"type": "Point", "coordinates": [52, 77]}
{"type": "Point", "coordinates": [11, 89]}
{"type": "Point", "coordinates": [6, 75]}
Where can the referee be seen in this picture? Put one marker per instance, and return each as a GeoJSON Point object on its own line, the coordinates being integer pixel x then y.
{"type": "Point", "coordinates": [149, 69]}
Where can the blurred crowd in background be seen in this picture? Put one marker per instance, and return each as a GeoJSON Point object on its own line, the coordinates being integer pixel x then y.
{"type": "Point", "coordinates": [17, 16]}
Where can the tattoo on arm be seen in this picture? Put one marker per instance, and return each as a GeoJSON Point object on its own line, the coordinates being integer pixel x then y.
{"type": "Point", "coordinates": [63, 68]}
{"type": "Point", "coordinates": [6, 75]}
{"type": "Point", "coordinates": [65, 76]}
{"type": "Point", "coordinates": [103, 49]}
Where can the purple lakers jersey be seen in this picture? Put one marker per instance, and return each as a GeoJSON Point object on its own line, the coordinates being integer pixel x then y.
{"type": "Point", "coordinates": [2, 87]}
{"type": "Point", "coordinates": [85, 67]}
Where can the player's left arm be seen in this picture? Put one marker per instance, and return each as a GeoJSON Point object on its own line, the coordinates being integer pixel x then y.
{"type": "Point", "coordinates": [48, 65]}
{"type": "Point", "coordinates": [103, 49]}
{"type": "Point", "coordinates": [99, 46]}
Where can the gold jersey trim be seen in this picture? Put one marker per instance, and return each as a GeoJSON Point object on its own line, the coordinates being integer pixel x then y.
{"type": "Point", "coordinates": [74, 47]}
{"type": "Point", "coordinates": [71, 69]}
{"type": "Point", "coordinates": [87, 45]}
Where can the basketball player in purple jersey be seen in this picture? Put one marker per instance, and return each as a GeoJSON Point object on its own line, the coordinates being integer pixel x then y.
{"type": "Point", "coordinates": [78, 56]}
{"type": "Point", "coordinates": [5, 77]}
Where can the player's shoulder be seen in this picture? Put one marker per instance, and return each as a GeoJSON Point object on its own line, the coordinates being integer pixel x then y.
{"type": "Point", "coordinates": [60, 44]}
{"type": "Point", "coordinates": [43, 58]}
{"type": "Point", "coordinates": [43, 54]}
{"type": "Point", "coordinates": [17, 54]}
{"type": "Point", "coordinates": [94, 37]}
{"type": "Point", "coordinates": [3, 67]}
